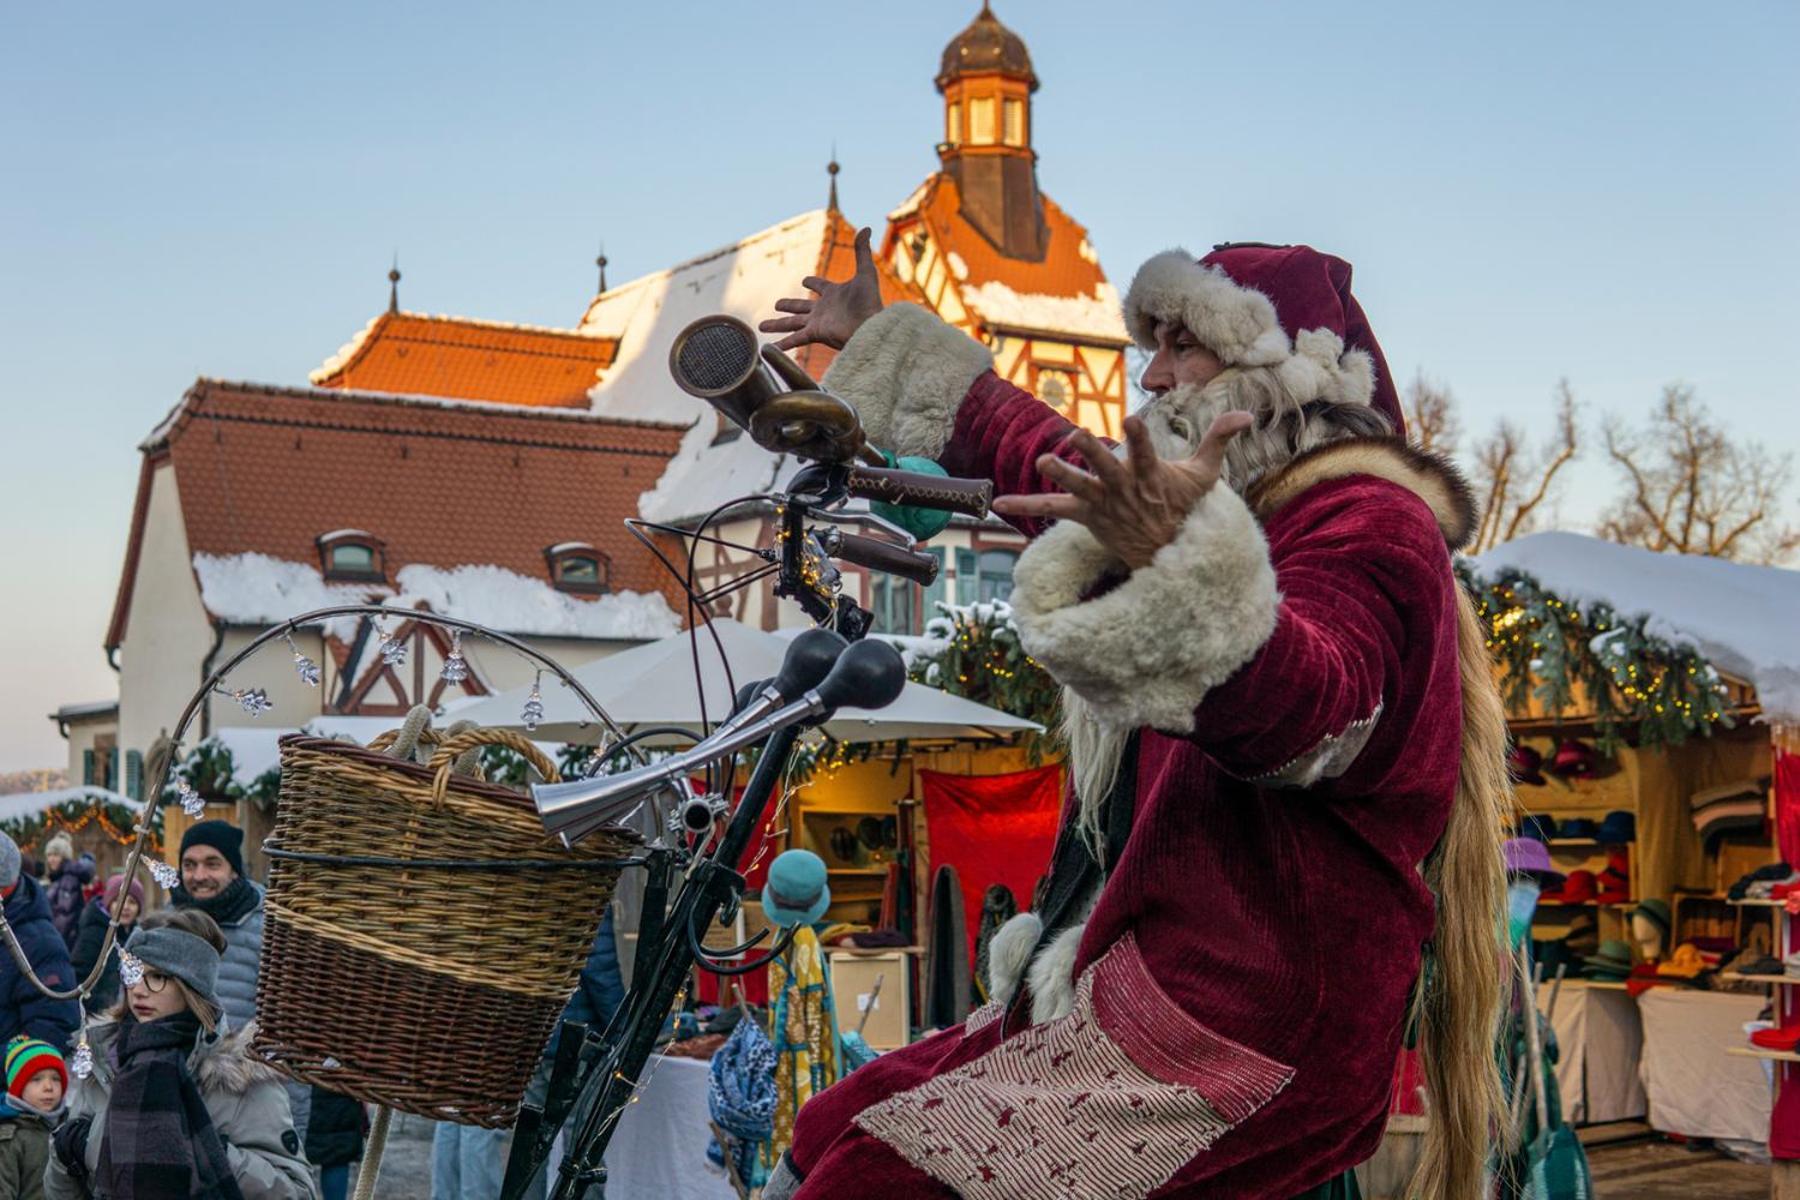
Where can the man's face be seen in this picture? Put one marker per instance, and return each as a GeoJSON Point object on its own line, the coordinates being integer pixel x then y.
{"type": "Point", "coordinates": [45, 1091]}
{"type": "Point", "coordinates": [1179, 360]}
{"type": "Point", "coordinates": [204, 872]}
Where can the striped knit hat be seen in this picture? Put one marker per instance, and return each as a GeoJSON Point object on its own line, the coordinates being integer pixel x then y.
{"type": "Point", "coordinates": [25, 1057]}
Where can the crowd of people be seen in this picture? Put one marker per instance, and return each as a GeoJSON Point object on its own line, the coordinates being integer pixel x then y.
{"type": "Point", "coordinates": [175, 1104]}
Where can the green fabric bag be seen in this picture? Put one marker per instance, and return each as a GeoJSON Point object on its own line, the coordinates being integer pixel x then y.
{"type": "Point", "coordinates": [923, 523]}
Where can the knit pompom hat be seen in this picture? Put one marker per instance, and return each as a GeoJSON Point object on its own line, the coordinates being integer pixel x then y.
{"type": "Point", "coordinates": [25, 1057]}
{"type": "Point", "coordinates": [1285, 307]}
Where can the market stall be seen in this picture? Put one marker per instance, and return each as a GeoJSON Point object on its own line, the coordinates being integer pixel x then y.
{"type": "Point", "coordinates": [1649, 696]}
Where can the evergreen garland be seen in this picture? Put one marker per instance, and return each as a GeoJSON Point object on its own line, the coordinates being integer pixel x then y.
{"type": "Point", "coordinates": [1644, 688]}
{"type": "Point", "coordinates": [974, 651]}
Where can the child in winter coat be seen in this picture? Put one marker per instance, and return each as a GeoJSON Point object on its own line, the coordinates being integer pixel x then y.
{"type": "Point", "coordinates": [177, 1105]}
{"type": "Point", "coordinates": [36, 1079]}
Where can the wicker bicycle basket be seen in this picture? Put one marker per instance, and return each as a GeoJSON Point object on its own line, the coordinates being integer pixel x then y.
{"type": "Point", "coordinates": [422, 933]}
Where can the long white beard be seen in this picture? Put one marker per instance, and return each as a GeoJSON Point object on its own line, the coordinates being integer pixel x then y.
{"type": "Point", "coordinates": [1176, 421]}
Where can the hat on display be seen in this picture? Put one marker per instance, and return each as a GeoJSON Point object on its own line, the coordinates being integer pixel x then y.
{"type": "Point", "coordinates": [1618, 828]}
{"type": "Point", "coordinates": [1685, 963]}
{"type": "Point", "coordinates": [1528, 856]}
{"type": "Point", "coordinates": [1574, 759]}
{"type": "Point", "coordinates": [1580, 887]}
{"type": "Point", "coordinates": [1615, 887]}
{"type": "Point", "coordinates": [1577, 829]}
{"type": "Point", "coordinates": [1583, 937]}
{"type": "Point", "coordinates": [1525, 765]}
{"type": "Point", "coordinates": [796, 892]}
{"type": "Point", "coordinates": [1612, 961]}
{"type": "Point", "coordinates": [1287, 308]}
{"type": "Point", "coordinates": [1535, 825]}
{"type": "Point", "coordinates": [1657, 913]}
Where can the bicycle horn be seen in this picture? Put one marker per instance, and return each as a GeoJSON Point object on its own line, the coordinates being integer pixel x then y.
{"type": "Point", "coordinates": [763, 391]}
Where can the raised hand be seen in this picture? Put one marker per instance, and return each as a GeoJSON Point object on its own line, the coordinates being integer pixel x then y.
{"type": "Point", "coordinates": [839, 309]}
{"type": "Point", "coordinates": [1135, 507]}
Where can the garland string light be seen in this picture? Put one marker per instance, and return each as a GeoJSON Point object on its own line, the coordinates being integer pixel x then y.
{"type": "Point", "coordinates": [1643, 687]}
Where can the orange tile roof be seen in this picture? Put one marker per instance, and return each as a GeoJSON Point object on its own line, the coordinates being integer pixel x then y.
{"type": "Point", "coordinates": [1069, 268]}
{"type": "Point", "coordinates": [269, 469]}
{"type": "Point", "coordinates": [462, 359]}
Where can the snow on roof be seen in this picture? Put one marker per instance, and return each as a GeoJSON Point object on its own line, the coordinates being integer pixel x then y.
{"type": "Point", "coordinates": [20, 805]}
{"type": "Point", "coordinates": [257, 589]}
{"type": "Point", "coordinates": [1744, 618]}
{"type": "Point", "coordinates": [345, 352]}
{"type": "Point", "coordinates": [911, 204]}
{"type": "Point", "coordinates": [90, 708]}
{"type": "Point", "coordinates": [742, 280]}
{"type": "Point", "coordinates": [1084, 316]}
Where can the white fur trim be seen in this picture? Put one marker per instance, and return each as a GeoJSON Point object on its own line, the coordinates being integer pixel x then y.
{"type": "Point", "coordinates": [1010, 953]}
{"type": "Point", "coordinates": [1240, 325]}
{"type": "Point", "coordinates": [906, 372]}
{"type": "Point", "coordinates": [1053, 976]}
{"type": "Point", "coordinates": [1235, 322]}
{"type": "Point", "coordinates": [1148, 651]}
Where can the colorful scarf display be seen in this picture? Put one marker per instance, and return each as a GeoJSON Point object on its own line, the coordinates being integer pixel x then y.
{"type": "Point", "coordinates": [805, 1032]}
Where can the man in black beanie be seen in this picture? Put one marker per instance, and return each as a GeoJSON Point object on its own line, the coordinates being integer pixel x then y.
{"type": "Point", "coordinates": [213, 881]}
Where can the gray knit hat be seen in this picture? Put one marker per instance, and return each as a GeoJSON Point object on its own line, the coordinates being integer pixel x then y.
{"type": "Point", "coordinates": [9, 862]}
{"type": "Point", "coordinates": [176, 952]}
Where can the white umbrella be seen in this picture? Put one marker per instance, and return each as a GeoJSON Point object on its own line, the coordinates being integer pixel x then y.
{"type": "Point", "coordinates": [653, 684]}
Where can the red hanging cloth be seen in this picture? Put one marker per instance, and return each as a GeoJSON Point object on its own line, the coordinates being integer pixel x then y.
{"type": "Point", "coordinates": [1787, 803]}
{"type": "Point", "coordinates": [992, 829]}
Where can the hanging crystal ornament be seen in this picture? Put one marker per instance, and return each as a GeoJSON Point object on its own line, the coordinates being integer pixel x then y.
{"type": "Point", "coordinates": [131, 969]}
{"type": "Point", "coordinates": [393, 650]}
{"type": "Point", "coordinates": [83, 1062]}
{"type": "Point", "coordinates": [532, 715]}
{"type": "Point", "coordinates": [307, 669]}
{"type": "Point", "coordinates": [254, 701]}
{"type": "Point", "coordinates": [165, 875]}
{"type": "Point", "coordinates": [456, 667]}
{"type": "Point", "coordinates": [191, 802]}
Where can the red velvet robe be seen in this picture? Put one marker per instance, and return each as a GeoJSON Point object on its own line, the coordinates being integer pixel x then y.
{"type": "Point", "coordinates": [1243, 978]}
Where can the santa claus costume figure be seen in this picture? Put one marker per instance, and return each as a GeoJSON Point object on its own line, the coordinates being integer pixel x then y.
{"type": "Point", "coordinates": [1282, 842]}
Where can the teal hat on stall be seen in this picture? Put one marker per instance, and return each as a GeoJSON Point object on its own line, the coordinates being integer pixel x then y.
{"type": "Point", "coordinates": [796, 892]}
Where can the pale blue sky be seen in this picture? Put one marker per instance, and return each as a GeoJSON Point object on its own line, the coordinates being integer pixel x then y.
{"type": "Point", "coordinates": [1605, 191]}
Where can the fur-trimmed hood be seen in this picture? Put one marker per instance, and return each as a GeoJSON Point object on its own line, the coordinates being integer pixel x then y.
{"type": "Point", "coordinates": [1431, 477]}
{"type": "Point", "coordinates": [224, 1061]}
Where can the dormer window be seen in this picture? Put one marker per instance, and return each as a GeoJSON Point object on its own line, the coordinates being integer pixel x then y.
{"type": "Point", "coordinates": [352, 555]}
{"type": "Point", "coordinates": [579, 567]}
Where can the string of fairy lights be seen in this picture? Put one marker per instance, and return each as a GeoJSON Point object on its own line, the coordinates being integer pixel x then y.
{"type": "Point", "coordinates": [1641, 686]}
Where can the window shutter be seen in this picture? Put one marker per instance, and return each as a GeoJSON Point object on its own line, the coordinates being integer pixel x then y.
{"type": "Point", "coordinates": [968, 588]}
{"type": "Point", "coordinates": [114, 775]}
{"type": "Point", "coordinates": [87, 766]}
{"type": "Point", "coordinates": [134, 774]}
{"type": "Point", "coordinates": [938, 589]}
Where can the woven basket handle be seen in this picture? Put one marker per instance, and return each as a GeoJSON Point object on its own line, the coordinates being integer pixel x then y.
{"type": "Point", "coordinates": [452, 748]}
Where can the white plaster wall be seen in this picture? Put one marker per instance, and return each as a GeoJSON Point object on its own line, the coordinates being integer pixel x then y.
{"type": "Point", "coordinates": [167, 633]}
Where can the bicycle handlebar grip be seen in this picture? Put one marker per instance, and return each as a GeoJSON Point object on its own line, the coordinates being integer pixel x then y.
{"type": "Point", "coordinates": [970, 497]}
{"type": "Point", "coordinates": [878, 555]}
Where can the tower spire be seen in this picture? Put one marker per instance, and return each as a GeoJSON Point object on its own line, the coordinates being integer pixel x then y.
{"type": "Point", "coordinates": [831, 169]}
{"type": "Point", "coordinates": [394, 284]}
{"type": "Point", "coordinates": [600, 261]}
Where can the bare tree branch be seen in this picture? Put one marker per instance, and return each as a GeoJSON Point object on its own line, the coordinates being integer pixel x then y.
{"type": "Point", "coordinates": [1431, 415]}
{"type": "Point", "coordinates": [1689, 488]}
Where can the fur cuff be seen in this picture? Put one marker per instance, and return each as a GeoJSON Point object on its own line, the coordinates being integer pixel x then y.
{"type": "Point", "coordinates": [906, 373]}
{"type": "Point", "coordinates": [1148, 651]}
{"type": "Point", "coordinates": [1053, 976]}
{"type": "Point", "coordinates": [1010, 953]}
{"type": "Point", "coordinates": [1240, 325]}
